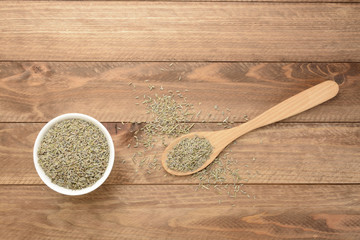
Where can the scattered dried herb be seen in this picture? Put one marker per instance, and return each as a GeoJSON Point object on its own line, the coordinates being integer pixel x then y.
{"type": "Point", "coordinates": [169, 117]}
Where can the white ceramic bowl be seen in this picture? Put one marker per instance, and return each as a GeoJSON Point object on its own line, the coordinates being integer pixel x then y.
{"type": "Point", "coordinates": [47, 180]}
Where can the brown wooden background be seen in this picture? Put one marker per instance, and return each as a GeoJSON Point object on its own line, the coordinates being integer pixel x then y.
{"type": "Point", "coordinates": [79, 56]}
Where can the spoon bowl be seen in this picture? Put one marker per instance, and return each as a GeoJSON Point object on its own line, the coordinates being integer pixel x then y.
{"type": "Point", "coordinates": [294, 105]}
{"type": "Point", "coordinates": [213, 137]}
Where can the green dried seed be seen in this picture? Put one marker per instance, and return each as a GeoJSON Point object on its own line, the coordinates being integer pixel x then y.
{"type": "Point", "coordinates": [169, 117]}
{"type": "Point", "coordinates": [189, 154]}
{"type": "Point", "coordinates": [74, 154]}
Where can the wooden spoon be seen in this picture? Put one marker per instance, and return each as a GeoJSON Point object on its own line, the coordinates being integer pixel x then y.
{"type": "Point", "coordinates": [220, 139]}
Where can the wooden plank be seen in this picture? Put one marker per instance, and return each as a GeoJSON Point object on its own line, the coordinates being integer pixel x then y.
{"type": "Point", "coordinates": [284, 153]}
{"type": "Point", "coordinates": [274, 1]}
{"type": "Point", "coordinates": [177, 212]}
{"type": "Point", "coordinates": [189, 31]}
{"type": "Point", "coordinates": [40, 91]}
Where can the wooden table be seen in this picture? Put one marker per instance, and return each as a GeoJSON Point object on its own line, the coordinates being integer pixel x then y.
{"type": "Point", "coordinates": [68, 56]}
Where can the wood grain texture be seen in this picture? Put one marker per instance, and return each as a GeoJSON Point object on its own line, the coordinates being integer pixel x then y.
{"type": "Point", "coordinates": [274, 1]}
{"type": "Point", "coordinates": [189, 31]}
{"type": "Point", "coordinates": [177, 212]}
{"type": "Point", "coordinates": [38, 92]}
{"type": "Point", "coordinates": [285, 153]}
{"type": "Point", "coordinates": [80, 56]}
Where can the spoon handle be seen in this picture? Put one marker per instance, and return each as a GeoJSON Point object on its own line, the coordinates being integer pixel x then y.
{"type": "Point", "coordinates": [301, 102]}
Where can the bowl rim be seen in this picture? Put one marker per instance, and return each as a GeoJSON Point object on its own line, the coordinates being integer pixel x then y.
{"type": "Point", "coordinates": [47, 180]}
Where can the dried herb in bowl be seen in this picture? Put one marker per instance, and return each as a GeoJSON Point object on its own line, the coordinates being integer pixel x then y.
{"type": "Point", "coordinates": [74, 154]}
